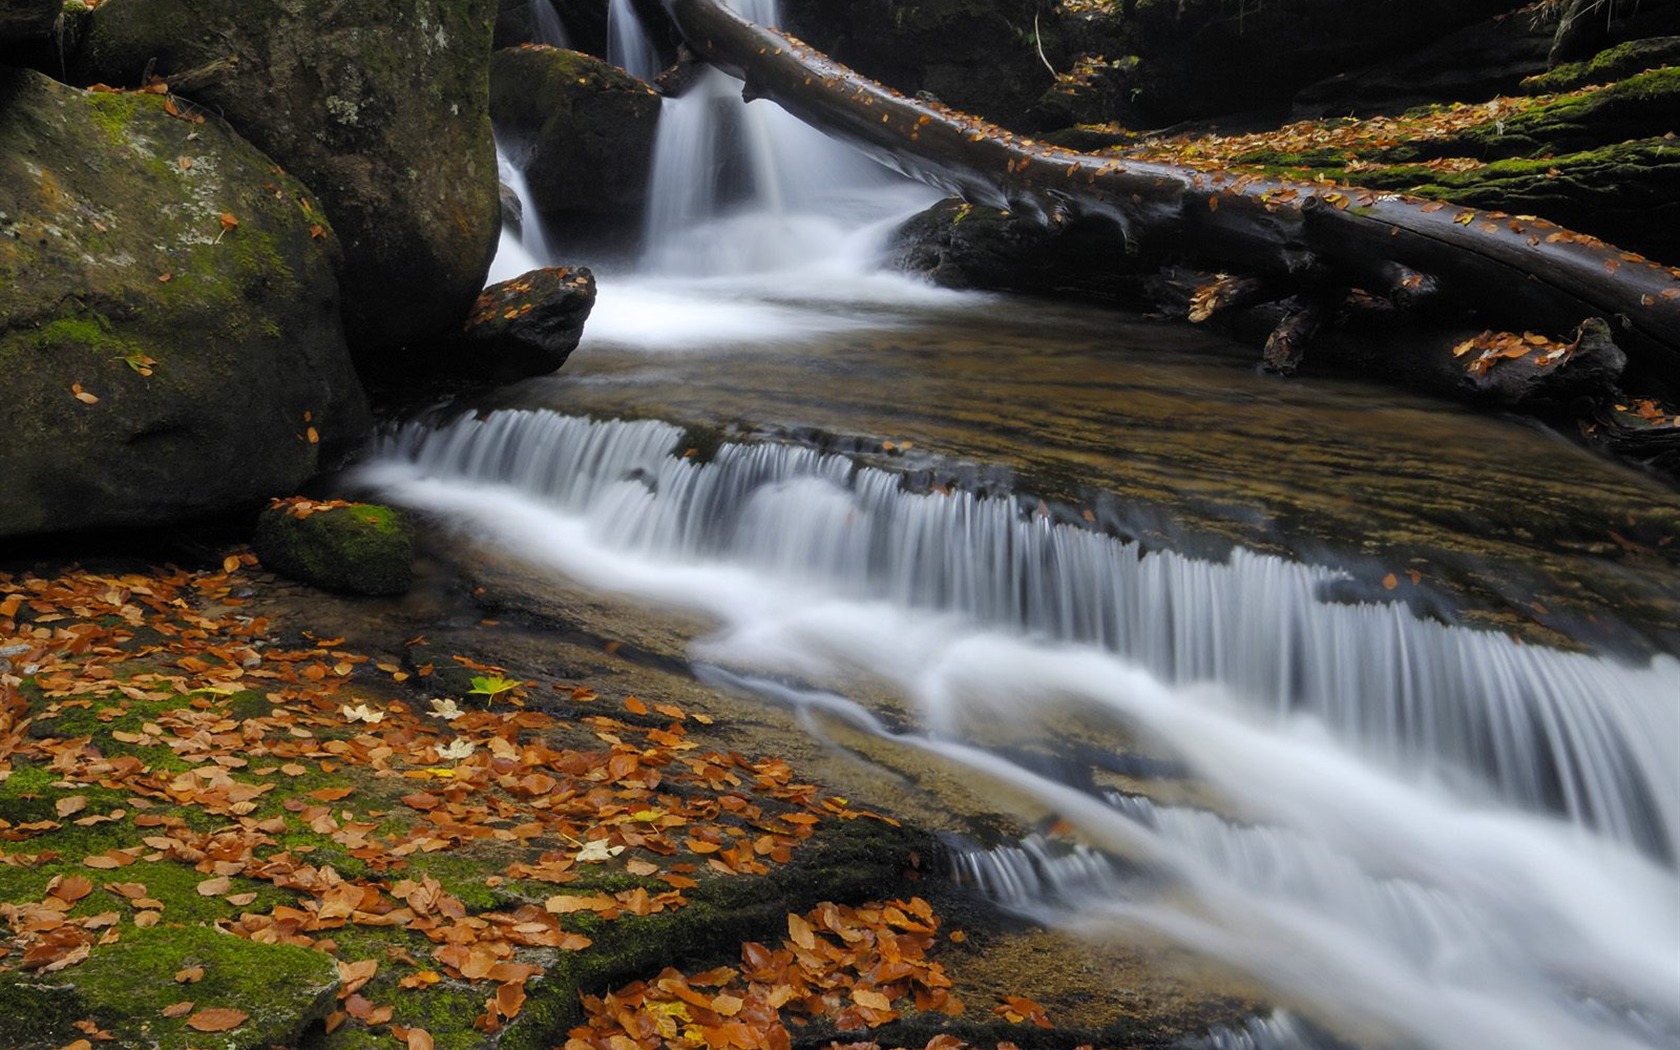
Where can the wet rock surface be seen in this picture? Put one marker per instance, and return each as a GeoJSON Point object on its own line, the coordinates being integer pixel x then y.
{"type": "Point", "coordinates": [524, 327]}
{"type": "Point", "coordinates": [582, 131]}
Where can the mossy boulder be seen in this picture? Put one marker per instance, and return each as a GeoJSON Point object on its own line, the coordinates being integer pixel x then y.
{"type": "Point", "coordinates": [380, 107]}
{"type": "Point", "coordinates": [27, 19]}
{"type": "Point", "coordinates": [1613, 63]}
{"type": "Point", "coordinates": [358, 548]}
{"type": "Point", "coordinates": [170, 342]}
{"type": "Point", "coordinates": [582, 131]}
{"type": "Point", "coordinates": [124, 987]}
{"type": "Point", "coordinates": [1627, 193]}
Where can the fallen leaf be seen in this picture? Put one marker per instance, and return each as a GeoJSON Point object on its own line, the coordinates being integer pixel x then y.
{"type": "Point", "coordinates": [217, 1019]}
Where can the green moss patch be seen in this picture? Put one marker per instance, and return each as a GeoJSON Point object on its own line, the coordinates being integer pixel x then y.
{"type": "Point", "coordinates": [125, 987]}
{"type": "Point", "coordinates": [355, 549]}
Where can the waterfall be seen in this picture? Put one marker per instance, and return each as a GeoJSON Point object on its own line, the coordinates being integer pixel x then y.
{"type": "Point", "coordinates": [741, 189]}
{"type": "Point", "coordinates": [550, 30]}
{"type": "Point", "coordinates": [628, 46]}
{"type": "Point", "coordinates": [1436, 837]}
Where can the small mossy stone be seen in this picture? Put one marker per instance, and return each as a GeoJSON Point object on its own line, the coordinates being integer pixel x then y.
{"type": "Point", "coordinates": [362, 548]}
{"type": "Point", "coordinates": [124, 986]}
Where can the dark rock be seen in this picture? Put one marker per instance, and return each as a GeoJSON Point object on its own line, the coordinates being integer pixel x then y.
{"type": "Point", "coordinates": [1476, 63]}
{"type": "Point", "coordinates": [958, 245]}
{"type": "Point", "coordinates": [585, 22]}
{"type": "Point", "coordinates": [28, 19]}
{"type": "Point", "coordinates": [358, 548]}
{"type": "Point", "coordinates": [1591, 373]}
{"type": "Point", "coordinates": [980, 56]}
{"type": "Point", "coordinates": [157, 361]}
{"type": "Point", "coordinates": [381, 107]}
{"type": "Point", "coordinates": [1202, 58]}
{"type": "Point", "coordinates": [582, 131]}
{"type": "Point", "coordinates": [513, 211]}
{"type": "Point", "coordinates": [524, 327]}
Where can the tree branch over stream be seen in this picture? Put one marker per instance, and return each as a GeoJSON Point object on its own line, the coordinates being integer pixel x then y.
{"type": "Point", "coordinates": [1299, 238]}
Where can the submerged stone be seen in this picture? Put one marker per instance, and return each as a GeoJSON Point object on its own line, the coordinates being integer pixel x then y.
{"type": "Point", "coordinates": [170, 344]}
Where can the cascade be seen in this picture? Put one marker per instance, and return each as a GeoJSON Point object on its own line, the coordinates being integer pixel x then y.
{"type": "Point", "coordinates": [550, 30]}
{"type": "Point", "coordinates": [1546, 729]}
{"type": "Point", "coordinates": [1417, 834]}
{"type": "Point", "coordinates": [1437, 837]}
{"type": "Point", "coordinates": [628, 46]}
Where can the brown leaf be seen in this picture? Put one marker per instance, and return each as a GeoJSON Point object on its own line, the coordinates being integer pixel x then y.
{"type": "Point", "coordinates": [189, 975]}
{"type": "Point", "coordinates": [71, 888]}
{"type": "Point", "coordinates": [800, 932]}
{"type": "Point", "coordinates": [217, 1019]}
{"type": "Point", "coordinates": [180, 1009]}
{"type": "Point", "coordinates": [215, 887]}
{"type": "Point", "coordinates": [70, 805]}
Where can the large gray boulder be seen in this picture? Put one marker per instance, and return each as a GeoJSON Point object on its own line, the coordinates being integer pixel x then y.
{"type": "Point", "coordinates": [583, 133]}
{"type": "Point", "coordinates": [170, 340]}
{"type": "Point", "coordinates": [380, 106]}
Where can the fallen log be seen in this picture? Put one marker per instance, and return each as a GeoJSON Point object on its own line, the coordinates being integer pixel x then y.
{"type": "Point", "coordinates": [1510, 271]}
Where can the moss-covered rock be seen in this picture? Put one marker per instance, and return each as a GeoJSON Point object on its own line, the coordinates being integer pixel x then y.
{"type": "Point", "coordinates": [1627, 193]}
{"type": "Point", "coordinates": [170, 343]}
{"type": "Point", "coordinates": [380, 107]}
{"type": "Point", "coordinates": [582, 131]}
{"type": "Point", "coordinates": [362, 548]}
{"type": "Point", "coordinates": [1638, 107]}
{"type": "Point", "coordinates": [124, 987]}
{"type": "Point", "coordinates": [1614, 63]}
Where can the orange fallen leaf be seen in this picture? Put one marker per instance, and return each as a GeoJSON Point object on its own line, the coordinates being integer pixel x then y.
{"type": "Point", "coordinates": [180, 1009]}
{"type": "Point", "coordinates": [217, 1019]}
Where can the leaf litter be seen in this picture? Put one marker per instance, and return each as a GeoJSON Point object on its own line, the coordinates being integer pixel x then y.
{"type": "Point", "coordinates": [165, 654]}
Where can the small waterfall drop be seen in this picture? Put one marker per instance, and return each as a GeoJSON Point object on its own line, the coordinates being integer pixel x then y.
{"type": "Point", "coordinates": [550, 30]}
{"type": "Point", "coordinates": [628, 46]}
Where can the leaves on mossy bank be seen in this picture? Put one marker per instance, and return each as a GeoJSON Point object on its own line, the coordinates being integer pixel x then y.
{"type": "Point", "coordinates": [855, 968]}
{"type": "Point", "coordinates": [148, 701]}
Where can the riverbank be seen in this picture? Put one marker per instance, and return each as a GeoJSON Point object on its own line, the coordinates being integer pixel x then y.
{"type": "Point", "coordinates": [298, 819]}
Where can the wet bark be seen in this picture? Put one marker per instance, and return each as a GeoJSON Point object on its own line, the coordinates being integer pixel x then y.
{"type": "Point", "coordinates": [1505, 271]}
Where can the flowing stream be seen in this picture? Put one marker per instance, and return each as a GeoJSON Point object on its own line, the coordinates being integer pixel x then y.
{"type": "Point", "coordinates": [1412, 672]}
